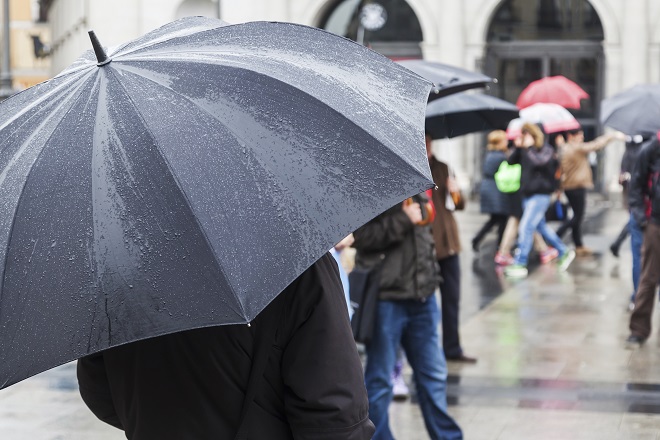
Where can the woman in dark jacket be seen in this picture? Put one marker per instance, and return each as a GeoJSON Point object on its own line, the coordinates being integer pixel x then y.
{"type": "Point", "coordinates": [192, 385]}
{"type": "Point", "coordinates": [538, 181]}
{"type": "Point", "coordinates": [493, 201]}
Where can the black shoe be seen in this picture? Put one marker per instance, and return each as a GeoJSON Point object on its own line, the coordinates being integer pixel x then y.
{"type": "Point", "coordinates": [635, 340]}
{"type": "Point", "coordinates": [614, 249]}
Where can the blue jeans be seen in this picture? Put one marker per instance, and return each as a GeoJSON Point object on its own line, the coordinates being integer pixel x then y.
{"type": "Point", "coordinates": [413, 324]}
{"type": "Point", "coordinates": [636, 239]}
{"type": "Point", "coordinates": [533, 219]}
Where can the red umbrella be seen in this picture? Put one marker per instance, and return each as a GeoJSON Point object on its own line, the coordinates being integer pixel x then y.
{"type": "Point", "coordinates": [552, 89]}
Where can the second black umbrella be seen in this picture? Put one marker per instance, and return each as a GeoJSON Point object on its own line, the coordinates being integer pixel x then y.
{"type": "Point", "coordinates": [464, 113]}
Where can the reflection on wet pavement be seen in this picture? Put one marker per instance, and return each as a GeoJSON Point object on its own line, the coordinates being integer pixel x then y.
{"type": "Point", "coordinates": [552, 361]}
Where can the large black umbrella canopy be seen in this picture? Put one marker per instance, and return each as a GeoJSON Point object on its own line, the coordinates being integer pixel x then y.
{"type": "Point", "coordinates": [465, 113]}
{"type": "Point", "coordinates": [447, 79]}
{"type": "Point", "coordinates": [633, 111]}
{"type": "Point", "coordinates": [188, 178]}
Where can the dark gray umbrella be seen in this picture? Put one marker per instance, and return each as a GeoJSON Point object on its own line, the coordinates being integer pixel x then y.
{"type": "Point", "coordinates": [186, 179]}
{"type": "Point", "coordinates": [447, 79]}
{"type": "Point", "coordinates": [633, 111]}
{"type": "Point", "coordinates": [464, 113]}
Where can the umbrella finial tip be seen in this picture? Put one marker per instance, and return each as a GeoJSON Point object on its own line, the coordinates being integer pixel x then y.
{"type": "Point", "coordinates": [101, 56]}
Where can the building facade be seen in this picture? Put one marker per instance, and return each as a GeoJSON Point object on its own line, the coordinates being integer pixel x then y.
{"type": "Point", "coordinates": [605, 46]}
{"type": "Point", "coordinates": [28, 65]}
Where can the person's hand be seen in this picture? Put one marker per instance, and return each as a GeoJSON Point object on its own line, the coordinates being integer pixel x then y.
{"type": "Point", "coordinates": [346, 242]}
{"type": "Point", "coordinates": [414, 212]}
{"type": "Point", "coordinates": [560, 141]}
{"type": "Point", "coordinates": [619, 136]}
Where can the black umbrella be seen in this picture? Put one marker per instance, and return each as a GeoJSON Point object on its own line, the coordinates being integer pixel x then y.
{"type": "Point", "coordinates": [633, 111]}
{"type": "Point", "coordinates": [447, 79]}
{"type": "Point", "coordinates": [464, 113]}
{"type": "Point", "coordinates": [188, 177]}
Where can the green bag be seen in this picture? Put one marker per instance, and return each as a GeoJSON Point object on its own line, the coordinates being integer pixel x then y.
{"type": "Point", "coordinates": [507, 177]}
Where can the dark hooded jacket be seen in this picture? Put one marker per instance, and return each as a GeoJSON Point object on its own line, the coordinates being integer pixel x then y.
{"type": "Point", "coordinates": [539, 169]}
{"type": "Point", "coordinates": [402, 251]}
{"type": "Point", "coordinates": [645, 185]}
{"type": "Point", "coordinates": [191, 385]}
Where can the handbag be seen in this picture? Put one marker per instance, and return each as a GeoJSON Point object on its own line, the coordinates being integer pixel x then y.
{"type": "Point", "coordinates": [507, 177]}
{"type": "Point", "coordinates": [557, 211]}
{"type": "Point", "coordinates": [364, 286]}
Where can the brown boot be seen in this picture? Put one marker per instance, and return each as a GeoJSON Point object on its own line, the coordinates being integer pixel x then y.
{"type": "Point", "coordinates": [583, 251]}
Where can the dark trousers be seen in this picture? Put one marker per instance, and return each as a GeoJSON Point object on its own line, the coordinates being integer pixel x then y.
{"type": "Point", "coordinates": [640, 319]}
{"type": "Point", "coordinates": [577, 198]}
{"type": "Point", "coordinates": [498, 220]}
{"type": "Point", "coordinates": [450, 295]}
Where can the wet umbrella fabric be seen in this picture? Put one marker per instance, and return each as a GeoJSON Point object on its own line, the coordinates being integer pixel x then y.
{"type": "Point", "coordinates": [553, 117]}
{"type": "Point", "coordinates": [464, 113]}
{"type": "Point", "coordinates": [446, 79]}
{"type": "Point", "coordinates": [633, 111]}
{"type": "Point", "coordinates": [552, 90]}
{"type": "Point", "coordinates": [189, 179]}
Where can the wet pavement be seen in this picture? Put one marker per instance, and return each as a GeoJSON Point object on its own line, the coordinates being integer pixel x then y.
{"type": "Point", "coordinates": [552, 361]}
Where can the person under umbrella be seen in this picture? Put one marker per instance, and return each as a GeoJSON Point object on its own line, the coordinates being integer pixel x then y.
{"type": "Point", "coordinates": [447, 248]}
{"type": "Point", "coordinates": [577, 178]}
{"type": "Point", "coordinates": [493, 202]}
{"type": "Point", "coordinates": [538, 181]}
{"type": "Point", "coordinates": [164, 187]}
{"type": "Point", "coordinates": [645, 206]}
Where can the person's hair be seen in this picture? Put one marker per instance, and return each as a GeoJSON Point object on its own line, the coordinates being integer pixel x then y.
{"type": "Point", "coordinates": [535, 132]}
{"type": "Point", "coordinates": [495, 139]}
{"type": "Point", "coordinates": [573, 132]}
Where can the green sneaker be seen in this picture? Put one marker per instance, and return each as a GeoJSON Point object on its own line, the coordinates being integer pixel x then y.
{"type": "Point", "coordinates": [515, 271]}
{"type": "Point", "coordinates": [565, 260]}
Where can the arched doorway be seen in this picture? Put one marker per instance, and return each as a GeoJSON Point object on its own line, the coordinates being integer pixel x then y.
{"type": "Point", "coordinates": [532, 39]}
{"type": "Point", "coordinates": [400, 37]}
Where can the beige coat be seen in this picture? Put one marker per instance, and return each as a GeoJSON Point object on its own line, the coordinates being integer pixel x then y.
{"type": "Point", "coordinates": [574, 158]}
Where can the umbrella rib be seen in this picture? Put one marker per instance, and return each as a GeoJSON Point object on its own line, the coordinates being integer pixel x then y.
{"type": "Point", "coordinates": [72, 97]}
{"type": "Point", "coordinates": [185, 197]}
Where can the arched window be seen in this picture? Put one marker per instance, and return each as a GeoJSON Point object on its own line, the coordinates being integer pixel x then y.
{"type": "Point", "coordinates": [517, 20]}
{"type": "Point", "coordinates": [532, 39]}
{"type": "Point", "coordinates": [399, 37]}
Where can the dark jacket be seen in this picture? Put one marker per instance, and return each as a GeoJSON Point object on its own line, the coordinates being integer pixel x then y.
{"type": "Point", "coordinates": [403, 252]}
{"type": "Point", "coordinates": [492, 200]}
{"type": "Point", "coordinates": [539, 169]}
{"type": "Point", "coordinates": [645, 184]}
{"type": "Point", "coordinates": [191, 385]}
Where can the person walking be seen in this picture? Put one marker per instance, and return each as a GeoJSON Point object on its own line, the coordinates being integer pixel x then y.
{"type": "Point", "coordinates": [447, 247]}
{"type": "Point", "coordinates": [577, 178]}
{"type": "Point", "coordinates": [634, 145]}
{"type": "Point", "coordinates": [644, 199]}
{"type": "Point", "coordinates": [492, 201]}
{"type": "Point", "coordinates": [399, 246]}
{"type": "Point", "coordinates": [538, 181]}
{"type": "Point", "coordinates": [293, 373]}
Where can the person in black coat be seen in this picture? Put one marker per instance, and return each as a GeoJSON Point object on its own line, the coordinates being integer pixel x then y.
{"type": "Point", "coordinates": [192, 384]}
{"type": "Point", "coordinates": [493, 201]}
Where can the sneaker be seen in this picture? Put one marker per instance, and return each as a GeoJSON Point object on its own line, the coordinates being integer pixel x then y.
{"type": "Point", "coordinates": [503, 259]}
{"type": "Point", "coordinates": [566, 260]}
{"type": "Point", "coordinates": [399, 388]}
{"type": "Point", "coordinates": [634, 341]}
{"type": "Point", "coordinates": [516, 271]}
{"type": "Point", "coordinates": [549, 255]}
